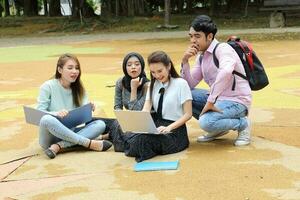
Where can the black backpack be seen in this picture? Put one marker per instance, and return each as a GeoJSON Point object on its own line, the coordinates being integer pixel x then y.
{"type": "Point", "coordinates": [255, 73]}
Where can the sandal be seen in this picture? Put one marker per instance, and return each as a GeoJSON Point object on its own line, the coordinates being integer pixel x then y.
{"type": "Point", "coordinates": [106, 145]}
{"type": "Point", "coordinates": [50, 153]}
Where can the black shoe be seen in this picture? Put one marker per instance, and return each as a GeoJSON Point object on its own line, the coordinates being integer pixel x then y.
{"type": "Point", "coordinates": [106, 145]}
{"type": "Point", "coordinates": [51, 154]}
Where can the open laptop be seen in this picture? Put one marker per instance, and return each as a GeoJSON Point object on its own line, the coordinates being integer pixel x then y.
{"type": "Point", "coordinates": [136, 121]}
{"type": "Point", "coordinates": [74, 118]}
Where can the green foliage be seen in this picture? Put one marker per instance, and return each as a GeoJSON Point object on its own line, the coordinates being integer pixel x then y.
{"type": "Point", "coordinates": [92, 4]}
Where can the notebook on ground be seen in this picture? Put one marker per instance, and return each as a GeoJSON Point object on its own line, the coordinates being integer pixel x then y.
{"type": "Point", "coordinates": [154, 166]}
{"type": "Point", "coordinates": [75, 117]}
{"type": "Point", "coordinates": [136, 121]}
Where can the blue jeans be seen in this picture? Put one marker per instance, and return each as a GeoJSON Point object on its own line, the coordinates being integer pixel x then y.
{"type": "Point", "coordinates": [53, 131]}
{"type": "Point", "coordinates": [199, 100]}
{"type": "Point", "coordinates": [233, 117]}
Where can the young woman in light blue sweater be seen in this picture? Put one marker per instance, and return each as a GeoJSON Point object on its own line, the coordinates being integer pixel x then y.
{"type": "Point", "coordinates": [59, 95]}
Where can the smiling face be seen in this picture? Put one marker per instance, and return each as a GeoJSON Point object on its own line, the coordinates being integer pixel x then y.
{"type": "Point", "coordinates": [69, 71]}
{"type": "Point", "coordinates": [200, 40]}
{"type": "Point", "coordinates": [160, 72]}
{"type": "Point", "coordinates": [133, 67]}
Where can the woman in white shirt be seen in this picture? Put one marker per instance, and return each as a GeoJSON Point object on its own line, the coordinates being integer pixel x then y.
{"type": "Point", "coordinates": [170, 116]}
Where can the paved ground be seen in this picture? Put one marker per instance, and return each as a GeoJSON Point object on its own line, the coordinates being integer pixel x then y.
{"type": "Point", "coordinates": [267, 169]}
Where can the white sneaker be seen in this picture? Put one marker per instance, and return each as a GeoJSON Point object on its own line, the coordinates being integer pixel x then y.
{"type": "Point", "coordinates": [210, 136]}
{"type": "Point", "coordinates": [244, 137]}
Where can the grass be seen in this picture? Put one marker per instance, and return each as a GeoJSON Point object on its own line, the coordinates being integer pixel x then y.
{"type": "Point", "coordinates": [46, 26]}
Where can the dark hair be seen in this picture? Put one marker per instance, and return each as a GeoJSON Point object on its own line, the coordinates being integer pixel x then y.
{"type": "Point", "coordinates": [204, 24]}
{"type": "Point", "coordinates": [77, 86]}
{"type": "Point", "coordinates": [127, 79]}
{"type": "Point", "coordinates": [161, 57]}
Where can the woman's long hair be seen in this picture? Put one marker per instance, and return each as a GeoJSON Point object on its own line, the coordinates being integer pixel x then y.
{"type": "Point", "coordinates": [127, 79]}
{"type": "Point", "coordinates": [77, 86]}
{"type": "Point", "coordinates": [161, 57]}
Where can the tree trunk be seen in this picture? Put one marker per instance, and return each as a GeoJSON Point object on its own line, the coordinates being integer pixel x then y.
{"type": "Point", "coordinates": [139, 7]}
{"type": "Point", "coordinates": [6, 8]}
{"type": "Point", "coordinates": [86, 9]}
{"type": "Point", "coordinates": [106, 10]}
{"type": "Point", "coordinates": [246, 8]}
{"type": "Point", "coordinates": [189, 6]}
{"type": "Point", "coordinates": [233, 6]}
{"type": "Point", "coordinates": [167, 13]}
{"type": "Point", "coordinates": [75, 6]}
{"type": "Point", "coordinates": [123, 8]}
{"type": "Point", "coordinates": [130, 8]}
{"type": "Point", "coordinates": [212, 8]}
{"type": "Point", "coordinates": [54, 8]}
{"type": "Point", "coordinates": [45, 2]}
{"type": "Point", "coordinates": [30, 7]}
{"type": "Point", "coordinates": [117, 8]}
{"type": "Point", "coordinates": [180, 4]}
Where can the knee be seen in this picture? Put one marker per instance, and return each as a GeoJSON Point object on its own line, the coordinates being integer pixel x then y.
{"type": "Point", "coordinates": [99, 126]}
{"type": "Point", "coordinates": [206, 123]}
{"type": "Point", "coordinates": [45, 120]}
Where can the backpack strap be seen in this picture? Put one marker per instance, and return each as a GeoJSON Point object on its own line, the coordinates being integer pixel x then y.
{"type": "Point", "coordinates": [248, 51]}
{"type": "Point", "coordinates": [240, 75]}
{"type": "Point", "coordinates": [216, 62]}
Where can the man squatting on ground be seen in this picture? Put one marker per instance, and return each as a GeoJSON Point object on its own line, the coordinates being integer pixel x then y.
{"type": "Point", "coordinates": [223, 107]}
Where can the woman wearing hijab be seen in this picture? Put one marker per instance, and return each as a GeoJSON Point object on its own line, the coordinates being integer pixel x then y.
{"type": "Point", "coordinates": [131, 89]}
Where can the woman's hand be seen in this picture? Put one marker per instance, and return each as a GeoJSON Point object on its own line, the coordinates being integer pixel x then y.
{"type": "Point", "coordinates": [135, 83]}
{"type": "Point", "coordinates": [62, 113]}
{"type": "Point", "coordinates": [164, 129]}
{"type": "Point", "coordinates": [210, 107]}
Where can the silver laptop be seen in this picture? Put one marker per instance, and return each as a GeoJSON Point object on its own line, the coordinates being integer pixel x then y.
{"type": "Point", "coordinates": [74, 118]}
{"type": "Point", "coordinates": [136, 121]}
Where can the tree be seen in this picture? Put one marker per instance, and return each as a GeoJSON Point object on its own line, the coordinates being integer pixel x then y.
{"type": "Point", "coordinates": [130, 8]}
{"type": "Point", "coordinates": [167, 13]}
{"type": "Point", "coordinates": [81, 9]}
{"type": "Point", "coordinates": [6, 8]}
{"type": "Point", "coordinates": [45, 3]}
{"type": "Point", "coordinates": [54, 8]}
{"type": "Point", "coordinates": [1, 10]}
{"type": "Point", "coordinates": [213, 5]}
{"type": "Point", "coordinates": [189, 6]}
{"type": "Point", "coordinates": [30, 7]}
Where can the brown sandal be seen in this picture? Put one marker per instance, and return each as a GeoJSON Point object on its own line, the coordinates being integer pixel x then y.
{"type": "Point", "coordinates": [50, 153]}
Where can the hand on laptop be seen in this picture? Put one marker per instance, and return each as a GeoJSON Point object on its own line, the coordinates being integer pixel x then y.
{"type": "Point", "coordinates": [164, 129]}
{"type": "Point", "coordinates": [62, 113]}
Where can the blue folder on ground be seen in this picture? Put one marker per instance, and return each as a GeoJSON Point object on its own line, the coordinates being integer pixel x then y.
{"type": "Point", "coordinates": [154, 166]}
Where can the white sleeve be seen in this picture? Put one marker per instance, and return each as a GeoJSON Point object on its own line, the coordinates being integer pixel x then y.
{"type": "Point", "coordinates": [184, 92]}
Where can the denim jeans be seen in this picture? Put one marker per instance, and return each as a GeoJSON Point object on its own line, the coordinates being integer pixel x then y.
{"type": "Point", "coordinates": [199, 100]}
{"type": "Point", "coordinates": [233, 117]}
{"type": "Point", "coordinates": [53, 131]}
